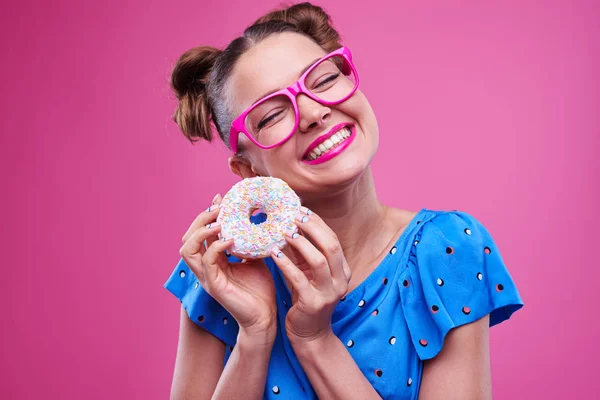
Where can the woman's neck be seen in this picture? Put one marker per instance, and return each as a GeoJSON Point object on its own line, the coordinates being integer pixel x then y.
{"type": "Point", "coordinates": [357, 218]}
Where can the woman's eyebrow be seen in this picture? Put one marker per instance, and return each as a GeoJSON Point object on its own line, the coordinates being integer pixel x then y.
{"type": "Point", "coordinates": [299, 75]}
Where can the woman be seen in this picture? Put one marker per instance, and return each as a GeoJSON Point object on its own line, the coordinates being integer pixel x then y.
{"type": "Point", "coordinates": [369, 301]}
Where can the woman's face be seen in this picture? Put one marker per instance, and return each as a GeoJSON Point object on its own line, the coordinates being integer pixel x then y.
{"type": "Point", "coordinates": [274, 64]}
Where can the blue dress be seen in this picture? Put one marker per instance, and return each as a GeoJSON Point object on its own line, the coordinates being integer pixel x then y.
{"type": "Point", "coordinates": [443, 272]}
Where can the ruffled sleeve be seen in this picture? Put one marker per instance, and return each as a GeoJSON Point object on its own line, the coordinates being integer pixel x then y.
{"type": "Point", "coordinates": [455, 275]}
{"type": "Point", "coordinates": [201, 308]}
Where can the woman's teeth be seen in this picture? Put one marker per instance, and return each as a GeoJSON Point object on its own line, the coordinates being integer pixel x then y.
{"type": "Point", "coordinates": [329, 144]}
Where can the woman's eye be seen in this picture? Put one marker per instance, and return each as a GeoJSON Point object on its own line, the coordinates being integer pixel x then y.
{"type": "Point", "coordinates": [268, 119]}
{"type": "Point", "coordinates": [327, 80]}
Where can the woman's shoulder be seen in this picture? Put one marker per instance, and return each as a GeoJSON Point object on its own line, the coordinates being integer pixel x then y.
{"type": "Point", "coordinates": [455, 275]}
{"type": "Point", "coordinates": [454, 229]}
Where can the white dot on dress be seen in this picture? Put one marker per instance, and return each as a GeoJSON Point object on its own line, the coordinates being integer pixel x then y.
{"type": "Point", "coordinates": [393, 340]}
{"type": "Point", "coordinates": [393, 250]}
{"type": "Point", "coordinates": [409, 381]}
{"type": "Point", "coordinates": [196, 285]}
{"type": "Point", "coordinates": [276, 389]}
{"type": "Point", "coordinates": [468, 231]}
{"type": "Point", "coordinates": [479, 276]}
{"type": "Point", "coordinates": [182, 274]}
{"type": "Point", "coordinates": [361, 303]}
{"type": "Point", "coordinates": [440, 282]}
{"type": "Point", "coordinates": [350, 343]}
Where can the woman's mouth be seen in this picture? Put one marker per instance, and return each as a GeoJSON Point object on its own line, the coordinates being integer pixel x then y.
{"type": "Point", "coordinates": [332, 146]}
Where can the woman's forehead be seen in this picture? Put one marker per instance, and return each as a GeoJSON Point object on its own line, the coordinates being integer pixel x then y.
{"type": "Point", "coordinates": [273, 64]}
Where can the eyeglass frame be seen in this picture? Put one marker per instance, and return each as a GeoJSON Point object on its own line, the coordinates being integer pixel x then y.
{"type": "Point", "coordinates": [239, 126]}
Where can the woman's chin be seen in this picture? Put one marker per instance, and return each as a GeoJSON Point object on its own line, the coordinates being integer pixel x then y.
{"type": "Point", "coordinates": [344, 173]}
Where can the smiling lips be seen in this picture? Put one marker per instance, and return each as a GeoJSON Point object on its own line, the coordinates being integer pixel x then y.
{"type": "Point", "coordinates": [321, 149]}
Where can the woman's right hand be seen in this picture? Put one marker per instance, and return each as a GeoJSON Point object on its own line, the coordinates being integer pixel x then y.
{"type": "Point", "coordinates": [246, 290]}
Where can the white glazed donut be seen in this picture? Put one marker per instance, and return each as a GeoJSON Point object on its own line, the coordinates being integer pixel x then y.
{"type": "Point", "coordinates": [271, 195]}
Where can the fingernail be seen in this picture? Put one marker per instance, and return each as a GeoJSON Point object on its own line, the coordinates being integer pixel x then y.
{"type": "Point", "coordinates": [213, 225]}
{"type": "Point", "coordinates": [302, 218]}
{"type": "Point", "coordinates": [215, 198]}
{"type": "Point", "coordinates": [276, 252]}
{"type": "Point", "coordinates": [213, 207]}
{"type": "Point", "coordinates": [306, 210]}
{"type": "Point", "coordinates": [292, 235]}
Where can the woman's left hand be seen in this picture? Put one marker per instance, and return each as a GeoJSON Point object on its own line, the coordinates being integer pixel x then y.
{"type": "Point", "coordinates": [319, 275]}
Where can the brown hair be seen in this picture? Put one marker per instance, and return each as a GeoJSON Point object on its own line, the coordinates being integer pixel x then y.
{"type": "Point", "coordinates": [200, 75]}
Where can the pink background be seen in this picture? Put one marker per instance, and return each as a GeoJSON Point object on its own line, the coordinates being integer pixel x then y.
{"type": "Point", "coordinates": [484, 107]}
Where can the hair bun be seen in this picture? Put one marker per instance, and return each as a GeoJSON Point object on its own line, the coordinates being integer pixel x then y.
{"type": "Point", "coordinates": [309, 19]}
{"type": "Point", "coordinates": [189, 79]}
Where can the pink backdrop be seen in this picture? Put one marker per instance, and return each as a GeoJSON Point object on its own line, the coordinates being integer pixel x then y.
{"type": "Point", "coordinates": [488, 108]}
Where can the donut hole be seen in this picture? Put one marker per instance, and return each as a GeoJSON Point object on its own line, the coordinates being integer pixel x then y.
{"type": "Point", "coordinates": [257, 215]}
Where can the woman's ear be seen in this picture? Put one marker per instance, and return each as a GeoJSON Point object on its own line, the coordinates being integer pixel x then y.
{"type": "Point", "coordinates": [240, 166]}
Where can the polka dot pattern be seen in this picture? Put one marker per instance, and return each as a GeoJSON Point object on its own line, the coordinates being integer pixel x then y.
{"type": "Point", "coordinates": [446, 290]}
{"type": "Point", "coordinates": [406, 308]}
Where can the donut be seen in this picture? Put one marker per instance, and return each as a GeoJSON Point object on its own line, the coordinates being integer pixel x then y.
{"type": "Point", "coordinates": [271, 195]}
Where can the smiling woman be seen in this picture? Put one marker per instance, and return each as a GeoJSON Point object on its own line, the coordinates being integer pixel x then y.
{"type": "Point", "coordinates": [369, 301]}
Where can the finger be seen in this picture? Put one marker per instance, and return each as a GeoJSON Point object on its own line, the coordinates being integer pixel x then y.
{"type": "Point", "coordinates": [346, 268]}
{"type": "Point", "coordinates": [317, 261]}
{"type": "Point", "coordinates": [299, 281]}
{"type": "Point", "coordinates": [216, 203]}
{"type": "Point", "coordinates": [213, 257]}
{"type": "Point", "coordinates": [195, 245]}
{"type": "Point", "coordinates": [326, 241]}
{"type": "Point", "coordinates": [204, 218]}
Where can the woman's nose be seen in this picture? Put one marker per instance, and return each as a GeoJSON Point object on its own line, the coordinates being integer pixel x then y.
{"type": "Point", "coordinates": [311, 113]}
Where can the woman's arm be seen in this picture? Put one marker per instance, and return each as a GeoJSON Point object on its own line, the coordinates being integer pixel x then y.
{"type": "Point", "coordinates": [332, 371]}
{"type": "Point", "coordinates": [462, 369]}
{"type": "Point", "coordinates": [199, 372]}
{"type": "Point", "coordinates": [199, 361]}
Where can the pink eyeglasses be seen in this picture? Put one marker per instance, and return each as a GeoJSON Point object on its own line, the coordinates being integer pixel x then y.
{"type": "Point", "coordinates": [273, 119]}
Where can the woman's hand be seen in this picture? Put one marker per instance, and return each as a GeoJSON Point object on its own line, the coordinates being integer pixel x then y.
{"type": "Point", "coordinates": [319, 275]}
{"type": "Point", "coordinates": [244, 289]}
